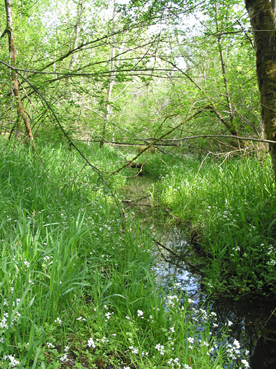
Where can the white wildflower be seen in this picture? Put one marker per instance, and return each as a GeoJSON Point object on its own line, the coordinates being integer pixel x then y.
{"type": "Point", "coordinates": [91, 343]}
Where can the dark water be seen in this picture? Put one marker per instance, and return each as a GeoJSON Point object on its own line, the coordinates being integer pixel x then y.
{"type": "Point", "coordinates": [254, 319]}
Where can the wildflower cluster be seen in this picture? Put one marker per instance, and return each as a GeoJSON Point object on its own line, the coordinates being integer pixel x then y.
{"type": "Point", "coordinates": [172, 300]}
{"type": "Point", "coordinates": [4, 322]}
{"type": "Point", "coordinates": [7, 322]}
{"type": "Point", "coordinates": [12, 361]}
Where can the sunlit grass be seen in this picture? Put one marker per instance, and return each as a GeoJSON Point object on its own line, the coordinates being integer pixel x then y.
{"type": "Point", "coordinates": [77, 285]}
{"type": "Point", "coordinates": [231, 206]}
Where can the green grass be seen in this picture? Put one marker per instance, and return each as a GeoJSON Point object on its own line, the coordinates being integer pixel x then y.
{"type": "Point", "coordinates": [77, 283]}
{"type": "Point", "coordinates": [231, 206]}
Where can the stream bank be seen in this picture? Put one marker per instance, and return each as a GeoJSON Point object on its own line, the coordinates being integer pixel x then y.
{"type": "Point", "coordinates": [252, 319]}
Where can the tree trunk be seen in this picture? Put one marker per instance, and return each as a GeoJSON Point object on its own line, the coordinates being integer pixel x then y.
{"type": "Point", "coordinates": [20, 109]}
{"type": "Point", "coordinates": [223, 69]}
{"type": "Point", "coordinates": [111, 79]}
{"type": "Point", "coordinates": [76, 38]}
{"type": "Point", "coordinates": [262, 20]}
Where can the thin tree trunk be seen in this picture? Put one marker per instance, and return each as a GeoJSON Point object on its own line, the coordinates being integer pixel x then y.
{"type": "Point", "coordinates": [109, 92]}
{"type": "Point", "coordinates": [228, 98]}
{"type": "Point", "coordinates": [20, 109]}
{"type": "Point", "coordinates": [273, 3]}
{"type": "Point", "coordinates": [111, 79]}
{"type": "Point", "coordinates": [232, 129]}
{"type": "Point", "coordinates": [262, 21]}
{"type": "Point", "coordinates": [223, 68]}
{"type": "Point", "coordinates": [113, 73]}
{"type": "Point", "coordinates": [76, 38]}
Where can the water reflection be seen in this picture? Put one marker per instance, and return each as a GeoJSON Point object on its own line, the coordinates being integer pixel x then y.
{"type": "Point", "coordinates": [254, 320]}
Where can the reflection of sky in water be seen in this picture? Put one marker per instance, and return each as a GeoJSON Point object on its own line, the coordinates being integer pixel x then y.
{"type": "Point", "coordinates": [247, 315]}
{"type": "Point", "coordinates": [166, 271]}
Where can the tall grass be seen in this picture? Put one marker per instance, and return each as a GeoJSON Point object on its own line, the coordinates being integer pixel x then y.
{"type": "Point", "coordinates": [231, 206]}
{"type": "Point", "coordinates": [77, 287]}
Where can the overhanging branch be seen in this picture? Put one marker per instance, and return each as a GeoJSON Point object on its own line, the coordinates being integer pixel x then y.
{"type": "Point", "coordinates": [154, 141]}
{"type": "Point", "coordinates": [95, 169]}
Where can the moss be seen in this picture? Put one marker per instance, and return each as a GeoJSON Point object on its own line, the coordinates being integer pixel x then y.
{"type": "Point", "coordinates": [263, 26]}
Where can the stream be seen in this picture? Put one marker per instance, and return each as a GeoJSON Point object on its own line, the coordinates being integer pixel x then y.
{"type": "Point", "coordinates": [254, 321]}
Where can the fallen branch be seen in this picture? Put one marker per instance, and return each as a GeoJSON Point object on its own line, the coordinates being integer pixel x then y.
{"type": "Point", "coordinates": [160, 138]}
{"type": "Point", "coordinates": [71, 143]}
{"type": "Point", "coordinates": [191, 266]}
{"type": "Point", "coordinates": [215, 136]}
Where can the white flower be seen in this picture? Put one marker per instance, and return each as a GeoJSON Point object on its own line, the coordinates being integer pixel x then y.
{"type": "Point", "coordinates": [58, 321]}
{"type": "Point", "coordinates": [50, 345]}
{"type": "Point", "coordinates": [191, 339]}
{"type": "Point", "coordinates": [140, 313]}
{"type": "Point", "coordinates": [91, 343]}
{"type": "Point", "coordinates": [229, 323]}
{"type": "Point", "coordinates": [245, 363]}
{"type": "Point", "coordinates": [171, 299]}
{"type": "Point", "coordinates": [160, 348]}
{"type": "Point", "coordinates": [63, 358]}
{"type": "Point", "coordinates": [13, 361]}
{"type": "Point", "coordinates": [81, 318]}
{"type": "Point", "coordinates": [133, 350]}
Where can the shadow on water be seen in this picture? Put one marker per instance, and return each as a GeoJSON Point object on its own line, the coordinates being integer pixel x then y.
{"type": "Point", "coordinates": [254, 319]}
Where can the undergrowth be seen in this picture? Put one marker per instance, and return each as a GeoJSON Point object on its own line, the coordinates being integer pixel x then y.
{"type": "Point", "coordinates": [76, 281]}
{"type": "Point", "coordinates": [231, 206]}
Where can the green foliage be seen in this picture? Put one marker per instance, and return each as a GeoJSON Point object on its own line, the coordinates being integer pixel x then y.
{"type": "Point", "coordinates": [77, 284]}
{"type": "Point", "coordinates": [231, 205]}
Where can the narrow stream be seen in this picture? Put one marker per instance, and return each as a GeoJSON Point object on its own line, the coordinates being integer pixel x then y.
{"type": "Point", "coordinates": [254, 321]}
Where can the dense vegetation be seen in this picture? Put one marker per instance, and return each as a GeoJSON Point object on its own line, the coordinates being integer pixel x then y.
{"type": "Point", "coordinates": [97, 94]}
{"type": "Point", "coordinates": [77, 281]}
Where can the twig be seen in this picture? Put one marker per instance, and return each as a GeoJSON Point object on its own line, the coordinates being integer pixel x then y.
{"type": "Point", "coordinates": [202, 163]}
{"type": "Point", "coordinates": [222, 136]}
{"type": "Point", "coordinates": [178, 257]}
{"type": "Point", "coordinates": [269, 318]}
{"type": "Point", "coordinates": [121, 211]}
{"type": "Point", "coordinates": [166, 248]}
{"type": "Point", "coordinates": [160, 138]}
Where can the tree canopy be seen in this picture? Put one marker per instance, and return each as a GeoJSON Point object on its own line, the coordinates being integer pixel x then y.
{"type": "Point", "coordinates": [130, 71]}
